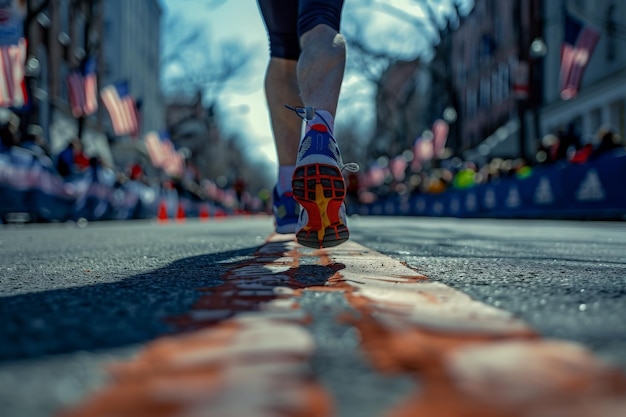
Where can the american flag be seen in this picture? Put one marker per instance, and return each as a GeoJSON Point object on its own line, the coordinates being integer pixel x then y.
{"type": "Point", "coordinates": [82, 87]}
{"type": "Point", "coordinates": [578, 44]}
{"type": "Point", "coordinates": [440, 136]}
{"type": "Point", "coordinates": [163, 154]}
{"type": "Point", "coordinates": [154, 145]}
{"type": "Point", "coordinates": [122, 108]}
{"type": "Point", "coordinates": [12, 86]}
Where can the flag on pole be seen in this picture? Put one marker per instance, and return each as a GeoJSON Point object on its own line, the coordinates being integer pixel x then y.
{"type": "Point", "coordinates": [163, 154]}
{"type": "Point", "coordinates": [82, 87]}
{"type": "Point", "coordinates": [154, 144]}
{"type": "Point", "coordinates": [440, 137]}
{"type": "Point", "coordinates": [520, 80]}
{"type": "Point", "coordinates": [121, 107]}
{"type": "Point", "coordinates": [578, 44]}
{"type": "Point", "coordinates": [12, 85]}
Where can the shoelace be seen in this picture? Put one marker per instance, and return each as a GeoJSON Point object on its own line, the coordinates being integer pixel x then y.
{"type": "Point", "coordinates": [308, 113]}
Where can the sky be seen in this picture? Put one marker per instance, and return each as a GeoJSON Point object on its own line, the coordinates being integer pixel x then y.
{"type": "Point", "coordinates": [244, 109]}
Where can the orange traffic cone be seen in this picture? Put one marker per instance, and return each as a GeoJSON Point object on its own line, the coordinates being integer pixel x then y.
{"type": "Point", "coordinates": [204, 213]}
{"type": "Point", "coordinates": [220, 214]}
{"type": "Point", "coordinates": [180, 213]}
{"type": "Point", "coordinates": [162, 212]}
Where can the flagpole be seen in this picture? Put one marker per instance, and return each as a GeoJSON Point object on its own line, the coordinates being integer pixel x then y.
{"type": "Point", "coordinates": [86, 30]}
{"type": "Point", "coordinates": [521, 102]}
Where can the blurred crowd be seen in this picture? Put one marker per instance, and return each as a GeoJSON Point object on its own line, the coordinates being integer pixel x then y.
{"type": "Point", "coordinates": [387, 176]}
{"type": "Point", "coordinates": [25, 150]}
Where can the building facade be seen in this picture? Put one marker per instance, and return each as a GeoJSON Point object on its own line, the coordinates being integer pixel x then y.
{"type": "Point", "coordinates": [61, 34]}
{"type": "Point", "coordinates": [490, 70]}
{"type": "Point", "coordinates": [506, 67]}
{"type": "Point", "coordinates": [131, 52]}
{"type": "Point", "coordinates": [601, 100]}
{"type": "Point", "coordinates": [123, 38]}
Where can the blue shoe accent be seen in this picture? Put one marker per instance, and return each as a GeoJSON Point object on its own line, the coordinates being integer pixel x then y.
{"type": "Point", "coordinates": [318, 146]}
{"type": "Point", "coordinates": [286, 212]}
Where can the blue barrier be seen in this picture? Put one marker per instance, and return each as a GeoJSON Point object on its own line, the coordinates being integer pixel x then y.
{"type": "Point", "coordinates": [30, 184]}
{"type": "Point", "coordinates": [593, 190]}
{"type": "Point", "coordinates": [31, 187]}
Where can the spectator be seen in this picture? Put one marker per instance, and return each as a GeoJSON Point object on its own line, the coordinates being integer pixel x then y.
{"type": "Point", "coordinates": [609, 141]}
{"type": "Point", "coordinates": [135, 171]}
{"type": "Point", "coordinates": [34, 141]}
{"type": "Point", "coordinates": [9, 130]}
{"type": "Point", "coordinates": [81, 161]}
{"type": "Point", "coordinates": [582, 155]}
{"type": "Point", "coordinates": [568, 143]}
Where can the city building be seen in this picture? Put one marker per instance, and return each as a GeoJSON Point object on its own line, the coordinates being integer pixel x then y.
{"type": "Point", "coordinates": [131, 53]}
{"type": "Point", "coordinates": [61, 34]}
{"type": "Point", "coordinates": [601, 99]}
{"type": "Point", "coordinates": [123, 39]}
{"type": "Point", "coordinates": [490, 73]}
{"type": "Point", "coordinates": [507, 64]}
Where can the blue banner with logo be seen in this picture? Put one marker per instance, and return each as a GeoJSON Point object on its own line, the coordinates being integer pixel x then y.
{"type": "Point", "coordinates": [593, 190]}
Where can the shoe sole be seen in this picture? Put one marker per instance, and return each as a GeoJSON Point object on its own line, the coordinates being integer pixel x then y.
{"type": "Point", "coordinates": [320, 190]}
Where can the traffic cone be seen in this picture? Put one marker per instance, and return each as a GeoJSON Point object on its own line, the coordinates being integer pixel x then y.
{"type": "Point", "coordinates": [220, 214]}
{"type": "Point", "coordinates": [162, 212]}
{"type": "Point", "coordinates": [180, 213]}
{"type": "Point", "coordinates": [204, 213]}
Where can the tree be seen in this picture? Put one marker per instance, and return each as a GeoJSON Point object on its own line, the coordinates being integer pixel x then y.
{"type": "Point", "coordinates": [388, 61]}
{"type": "Point", "coordinates": [193, 61]}
{"type": "Point", "coordinates": [195, 64]}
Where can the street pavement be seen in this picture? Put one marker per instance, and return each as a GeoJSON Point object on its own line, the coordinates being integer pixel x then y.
{"type": "Point", "coordinates": [413, 316]}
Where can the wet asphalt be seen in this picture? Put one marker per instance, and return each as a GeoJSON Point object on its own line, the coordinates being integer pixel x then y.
{"type": "Point", "coordinates": [73, 299]}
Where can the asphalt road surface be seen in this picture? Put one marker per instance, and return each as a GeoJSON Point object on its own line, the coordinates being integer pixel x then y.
{"type": "Point", "coordinates": [74, 300]}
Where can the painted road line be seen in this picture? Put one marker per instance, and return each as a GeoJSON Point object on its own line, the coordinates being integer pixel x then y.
{"type": "Point", "coordinates": [246, 348]}
{"type": "Point", "coordinates": [471, 359]}
{"type": "Point", "coordinates": [244, 353]}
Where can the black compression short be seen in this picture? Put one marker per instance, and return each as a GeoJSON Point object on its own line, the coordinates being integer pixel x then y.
{"type": "Point", "coordinates": [287, 20]}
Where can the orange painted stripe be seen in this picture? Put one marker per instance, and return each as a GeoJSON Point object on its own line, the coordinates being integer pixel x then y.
{"type": "Point", "coordinates": [245, 348]}
{"type": "Point", "coordinates": [470, 359]}
{"type": "Point", "coordinates": [245, 353]}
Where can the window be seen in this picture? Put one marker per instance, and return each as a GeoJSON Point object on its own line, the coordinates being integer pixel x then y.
{"type": "Point", "coordinates": [505, 80]}
{"type": "Point", "coordinates": [618, 117]}
{"type": "Point", "coordinates": [79, 28]}
{"type": "Point", "coordinates": [64, 16]}
{"type": "Point", "coordinates": [485, 93]}
{"type": "Point", "coordinates": [470, 102]}
{"type": "Point", "coordinates": [63, 82]}
{"type": "Point", "coordinates": [596, 120]}
{"type": "Point", "coordinates": [496, 87]}
{"type": "Point", "coordinates": [611, 26]}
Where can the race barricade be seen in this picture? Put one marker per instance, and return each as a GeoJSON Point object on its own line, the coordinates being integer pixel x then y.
{"type": "Point", "coordinates": [30, 185]}
{"type": "Point", "coordinates": [593, 190]}
{"type": "Point", "coordinates": [31, 190]}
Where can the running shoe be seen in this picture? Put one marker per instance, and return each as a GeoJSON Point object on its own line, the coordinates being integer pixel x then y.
{"type": "Point", "coordinates": [319, 187]}
{"type": "Point", "coordinates": [286, 211]}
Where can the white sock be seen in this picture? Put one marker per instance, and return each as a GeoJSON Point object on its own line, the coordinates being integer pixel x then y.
{"type": "Point", "coordinates": [284, 178]}
{"type": "Point", "coordinates": [322, 117]}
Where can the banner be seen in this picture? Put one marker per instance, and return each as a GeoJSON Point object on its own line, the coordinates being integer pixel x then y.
{"type": "Point", "coordinates": [12, 85]}
{"type": "Point", "coordinates": [579, 41]}
{"type": "Point", "coordinates": [163, 154]}
{"type": "Point", "coordinates": [122, 108]}
{"type": "Point", "coordinates": [592, 190]}
{"type": "Point", "coordinates": [82, 87]}
{"type": "Point", "coordinates": [520, 80]}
